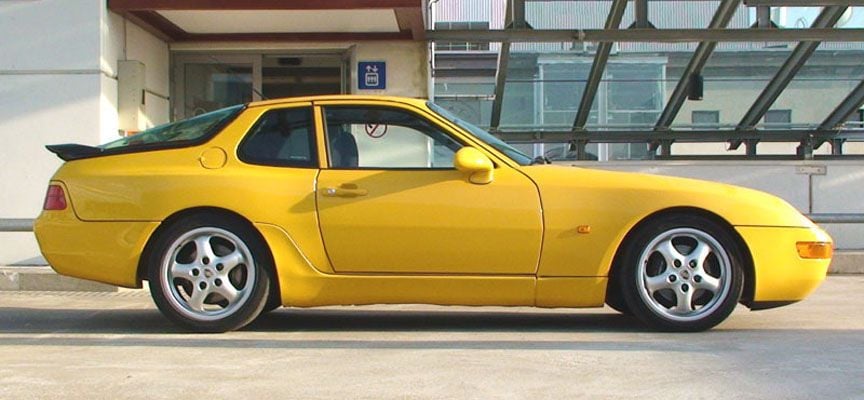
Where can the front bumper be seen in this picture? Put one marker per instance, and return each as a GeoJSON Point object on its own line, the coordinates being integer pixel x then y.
{"type": "Point", "coordinates": [780, 275]}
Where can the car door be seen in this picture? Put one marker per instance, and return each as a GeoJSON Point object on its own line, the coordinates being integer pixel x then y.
{"type": "Point", "coordinates": [391, 201]}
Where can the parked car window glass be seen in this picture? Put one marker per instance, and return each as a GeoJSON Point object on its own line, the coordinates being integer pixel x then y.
{"type": "Point", "coordinates": [479, 133]}
{"type": "Point", "coordinates": [283, 137]}
{"type": "Point", "coordinates": [187, 130]}
{"type": "Point", "coordinates": [374, 137]}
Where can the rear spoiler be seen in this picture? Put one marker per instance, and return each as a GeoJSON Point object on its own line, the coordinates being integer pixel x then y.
{"type": "Point", "coordinates": [72, 151]}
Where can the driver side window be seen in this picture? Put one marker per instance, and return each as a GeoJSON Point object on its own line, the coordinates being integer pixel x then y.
{"type": "Point", "coordinates": [376, 137]}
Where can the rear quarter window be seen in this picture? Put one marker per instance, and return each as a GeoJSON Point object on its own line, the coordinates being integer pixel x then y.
{"type": "Point", "coordinates": [281, 137]}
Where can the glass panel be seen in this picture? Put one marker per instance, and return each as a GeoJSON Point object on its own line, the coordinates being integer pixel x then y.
{"type": "Point", "coordinates": [281, 137]}
{"type": "Point", "coordinates": [563, 85]}
{"type": "Point", "coordinates": [470, 100]}
{"type": "Point", "coordinates": [733, 80]}
{"type": "Point", "coordinates": [462, 46]}
{"type": "Point", "coordinates": [385, 138]}
{"type": "Point", "coordinates": [822, 84]}
{"type": "Point", "coordinates": [520, 91]}
{"type": "Point", "coordinates": [209, 87]}
{"type": "Point", "coordinates": [292, 76]}
{"type": "Point", "coordinates": [189, 130]}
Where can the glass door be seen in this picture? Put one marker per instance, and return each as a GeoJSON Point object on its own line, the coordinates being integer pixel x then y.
{"type": "Point", "coordinates": [203, 83]}
{"type": "Point", "coordinates": [207, 82]}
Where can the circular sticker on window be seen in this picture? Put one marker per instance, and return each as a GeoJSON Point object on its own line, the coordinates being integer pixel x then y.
{"type": "Point", "coordinates": [376, 130]}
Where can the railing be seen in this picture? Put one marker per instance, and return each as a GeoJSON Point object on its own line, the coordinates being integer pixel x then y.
{"type": "Point", "coordinates": [16, 225]}
{"type": "Point", "coordinates": [808, 139]}
{"type": "Point", "coordinates": [26, 224]}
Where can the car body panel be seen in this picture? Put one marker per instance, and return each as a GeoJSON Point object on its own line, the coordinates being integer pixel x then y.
{"type": "Point", "coordinates": [547, 235]}
{"type": "Point", "coordinates": [450, 226]}
{"type": "Point", "coordinates": [105, 252]}
{"type": "Point", "coordinates": [303, 286]}
{"type": "Point", "coordinates": [781, 274]}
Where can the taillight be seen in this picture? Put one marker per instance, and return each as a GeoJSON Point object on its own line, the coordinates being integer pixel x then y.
{"type": "Point", "coordinates": [55, 199]}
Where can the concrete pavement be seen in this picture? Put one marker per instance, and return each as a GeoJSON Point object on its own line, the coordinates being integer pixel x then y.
{"type": "Point", "coordinates": [116, 345]}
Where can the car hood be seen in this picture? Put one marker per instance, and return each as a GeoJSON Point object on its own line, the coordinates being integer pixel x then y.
{"type": "Point", "coordinates": [642, 194]}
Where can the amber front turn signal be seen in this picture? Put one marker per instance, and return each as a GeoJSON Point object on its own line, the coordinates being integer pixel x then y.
{"type": "Point", "coordinates": [815, 249]}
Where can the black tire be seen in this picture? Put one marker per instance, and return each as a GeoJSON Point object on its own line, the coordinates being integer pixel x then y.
{"type": "Point", "coordinates": [209, 273]}
{"type": "Point", "coordinates": [689, 293]}
{"type": "Point", "coordinates": [273, 303]}
{"type": "Point", "coordinates": [614, 298]}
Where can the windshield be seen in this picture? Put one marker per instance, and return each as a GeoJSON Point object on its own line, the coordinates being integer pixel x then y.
{"type": "Point", "coordinates": [481, 134]}
{"type": "Point", "coordinates": [181, 131]}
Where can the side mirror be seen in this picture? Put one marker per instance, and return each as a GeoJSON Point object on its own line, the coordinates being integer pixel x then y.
{"type": "Point", "coordinates": [475, 164]}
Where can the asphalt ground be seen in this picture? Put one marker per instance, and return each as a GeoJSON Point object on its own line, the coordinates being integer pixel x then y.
{"type": "Point", "coordinates": [80, 345]}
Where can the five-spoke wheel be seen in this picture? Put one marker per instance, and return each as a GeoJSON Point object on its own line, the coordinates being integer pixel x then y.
{"type": "Point", "coordinates": [681, 273]}
{"type": "Point", "coordinates": [206, 274]}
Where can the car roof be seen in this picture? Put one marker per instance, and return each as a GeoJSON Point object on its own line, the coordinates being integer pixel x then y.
{"type": "Point", "coordinates": [342, 97]}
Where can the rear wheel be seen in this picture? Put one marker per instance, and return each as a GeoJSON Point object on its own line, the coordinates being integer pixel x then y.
{"type": "Point", "coordinates": [681, 273]}
{"type": "Point", "coordinates": [206, 273]}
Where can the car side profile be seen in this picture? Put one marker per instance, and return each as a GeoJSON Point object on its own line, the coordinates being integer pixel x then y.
{"type": "Point", "coordinates": [350, 200]}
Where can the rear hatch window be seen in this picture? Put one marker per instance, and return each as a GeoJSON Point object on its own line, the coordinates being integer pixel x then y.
{"type": "Point", "coordinates": [188, 130]}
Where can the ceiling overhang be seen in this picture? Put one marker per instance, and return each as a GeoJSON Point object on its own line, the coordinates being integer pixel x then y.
{"type": "Point", "coordinates": [276, 20]}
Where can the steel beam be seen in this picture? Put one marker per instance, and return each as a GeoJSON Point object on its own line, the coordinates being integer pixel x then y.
{"type": "Point", "coordinates": [613, 21]}
{"type": "Point", "coordinates": [640, 13]}
{"type": "Point", "coordinates": [827, 18]}
{"type": "Point", "coordinates": [849, 105]}
{"type": "Point", "coordinates": [725, 12]}
{"type": "Point", "coordinates": [837, 218]}
{"type": "Point", "coordinates": [801, 3]}
{"type": "Point", "coordinates": [517, 10]}
{"type": "Point", "coordinates": [649, 35]}
{"type": "Point", "coordinates": [763, 17]}
{"type": "Point", "coordinates": [500, 81]}
{"type": "Point", "coordinates": [686, 136]}
{"type": "Point", "coordinates": [501, 69]}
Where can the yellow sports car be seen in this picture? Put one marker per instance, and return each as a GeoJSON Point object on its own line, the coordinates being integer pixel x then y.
{"type": "Point", "coordinates": [362, 200]}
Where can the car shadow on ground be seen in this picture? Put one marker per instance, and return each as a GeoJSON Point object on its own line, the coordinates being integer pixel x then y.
{"type": "Point", "coordinates": [329, 320]}
{"type": "Point", "coordinates": [148, 321]}
{"type": "Point", "coordinates": [405, 330]}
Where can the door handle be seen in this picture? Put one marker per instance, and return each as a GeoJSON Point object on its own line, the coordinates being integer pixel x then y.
{"type": "Point", "coordinates": [345, 190]}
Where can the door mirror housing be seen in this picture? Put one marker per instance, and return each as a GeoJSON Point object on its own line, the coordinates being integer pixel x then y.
{"type": "Point", "coordinates": [475, 164]}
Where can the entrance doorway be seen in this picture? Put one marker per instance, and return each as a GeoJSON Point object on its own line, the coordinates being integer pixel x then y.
{"type": "Point", "coordinates": [207, 82]}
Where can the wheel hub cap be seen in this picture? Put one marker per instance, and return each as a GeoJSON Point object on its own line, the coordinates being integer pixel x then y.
{"type": "Point", "coordinates": [198, 290]}
{"type": "Point", "coordinates": [684, 274]}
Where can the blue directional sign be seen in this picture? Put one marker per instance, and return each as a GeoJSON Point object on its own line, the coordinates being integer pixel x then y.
{"type": "Point", "coordinates": [372, 75]}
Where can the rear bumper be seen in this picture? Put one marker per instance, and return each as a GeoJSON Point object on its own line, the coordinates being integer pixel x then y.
{"type": "Point", "coordinates": [106, 252]}
{"type": "Point", "coordinates": [780, 274]}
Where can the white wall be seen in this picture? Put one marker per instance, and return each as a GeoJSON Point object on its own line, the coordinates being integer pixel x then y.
{"type": "Point", "coordinates": [50, 85]}
{"type": "Point", "coordinates": [840, 190]}
{"type": "Point", "coordinates": [407, 67]}
{"type": "Point", "coordinates": [123, 40]}
{"type": "Point", "coordinates": [58, 68]}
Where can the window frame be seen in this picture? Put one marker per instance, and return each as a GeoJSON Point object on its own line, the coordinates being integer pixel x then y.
{"type": "Point", "coordinates": [387, 107]}
{"type": "Point", "coordinates": [786, 112]}
{"type": "Point", "coordinates": [313, 163]}
{"type": "Point", "coordinates": [715, 123]}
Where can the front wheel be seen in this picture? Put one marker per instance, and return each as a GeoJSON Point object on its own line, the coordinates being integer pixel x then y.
{"type": "Point", "coordinates": [681, 273]}
{"type": "Point", "coordinates": [206, 273]}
